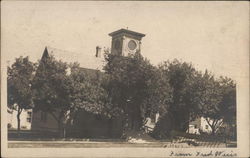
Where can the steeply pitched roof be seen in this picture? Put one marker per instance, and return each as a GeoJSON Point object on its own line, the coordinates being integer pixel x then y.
{"type": "Point", "coordinates": [89, 61]}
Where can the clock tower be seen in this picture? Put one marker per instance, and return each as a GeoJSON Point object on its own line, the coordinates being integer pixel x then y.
{"type": "Point", "coordinates": [125, 42]}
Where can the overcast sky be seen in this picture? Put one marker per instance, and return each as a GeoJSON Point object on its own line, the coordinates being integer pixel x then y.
{"type": "Point", "coordinates": [212, 35]}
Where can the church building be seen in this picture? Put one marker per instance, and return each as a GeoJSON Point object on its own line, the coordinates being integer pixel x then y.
{"type": "Point", "coordinates": [124, 42]}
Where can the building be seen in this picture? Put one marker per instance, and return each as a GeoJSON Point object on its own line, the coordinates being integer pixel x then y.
{"type": "Point", "coordinates": [25, 119]}
{"type": "Point", "coordinates": [124, 42]}
{"type": "Point", "coordinates": [151, 122]}
{"type": "Point", "coordinates": [200, 125]}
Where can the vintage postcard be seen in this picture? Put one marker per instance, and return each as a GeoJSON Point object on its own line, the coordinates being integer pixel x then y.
{"type": "Point", "coordinates": [124, 79]}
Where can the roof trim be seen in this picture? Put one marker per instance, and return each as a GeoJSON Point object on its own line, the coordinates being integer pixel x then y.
{"type": "Point", "coordinates": [126, 31]}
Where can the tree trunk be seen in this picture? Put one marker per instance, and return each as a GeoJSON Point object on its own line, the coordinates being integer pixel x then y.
{"type": "Point", "coordinates": [60, 125]}
{"type": "Point", "coordinates": [110, 128]}
{"type": "Point", "coordinates": [19, 111]}
{"type": "Point", "coordinates": [60, 129]}
{"type": "Point", "coordinates": [213, 130]}
{"type": "Point", "coordinates": [64, 132]}
{"type": "Point", "coordinates": [18, 121]}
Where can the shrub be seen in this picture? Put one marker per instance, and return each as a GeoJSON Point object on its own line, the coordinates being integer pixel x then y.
{"type": "Point", "coordinates": [163, 128]}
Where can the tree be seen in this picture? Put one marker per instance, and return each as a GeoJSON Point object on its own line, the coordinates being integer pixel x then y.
{"type": "Point", "coordinates": [135, 87]}
{"type": "Point", "coordinates": [86, 91]}
{"type": "Point", "coordinates": [180, 77]}
{"type": "Point", "coordinates": [207, 95]}
{"type": "Point", "coordinates": [63, 94]}
{"type": "Point", "coordinates": [228, 105]}
{"type": "Point", "coordinates": [228, 102]}
{"type": "Point", "coordinates": [50, 88]}
{"type": "Point", "coordinates": [20, 75]}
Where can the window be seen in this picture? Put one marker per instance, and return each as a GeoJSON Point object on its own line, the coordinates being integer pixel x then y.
{"type": "Point", "coordinates": [195, 126]}
{"type": "Point", "coordinates": [206, 126]}
{"type": "Point", "coordinates": [29, 115]}
{"type": "Point", "coordinates": [43, 116]}
{"type": "Point", "coordinates": [117, 44]}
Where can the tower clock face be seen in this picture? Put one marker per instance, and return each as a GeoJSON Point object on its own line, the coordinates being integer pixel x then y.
{"type": "Point", "coordinates": [132, 45]}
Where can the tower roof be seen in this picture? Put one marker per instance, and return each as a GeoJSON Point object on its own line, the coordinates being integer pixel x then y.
{"type": "Point", "coordinates": [126, 31]}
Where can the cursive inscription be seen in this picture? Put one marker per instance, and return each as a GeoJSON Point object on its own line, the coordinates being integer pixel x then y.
{"type": "Point", "coordinates": [210, 153]}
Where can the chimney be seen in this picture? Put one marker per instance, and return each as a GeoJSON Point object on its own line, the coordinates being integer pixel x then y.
{"type": "Point", "coordinates": [98, 51]}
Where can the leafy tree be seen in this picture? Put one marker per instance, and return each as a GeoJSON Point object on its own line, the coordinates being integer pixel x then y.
{"type": "Point", "coordinates": [63, 89]}
{"type": "Point", "coordinates": [197, 94]}
{"type": "Point", "coordinates": [180, 77]}
{"type": "Point", "coordinates": [50, 89]}
{"type": "Point", "coordinates": [86, 91]}
{"type": "Point", "coordinates": [20, 75]}
{"type": "Point", "coordinates": [207, 95]}
{"type": "Point", "coordinates": [135, 87]}
{"type": "Point", "coordinates": [164, 127]}
{"type": "Point", "coordinates": [228, 102]}
{"type": "Point", "coordinates": [228, 105]}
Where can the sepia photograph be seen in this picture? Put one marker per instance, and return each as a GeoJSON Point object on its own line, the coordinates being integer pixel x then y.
{"type": "Point", "coordinates": [124, 79]}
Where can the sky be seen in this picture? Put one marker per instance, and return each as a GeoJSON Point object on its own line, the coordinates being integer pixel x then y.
{"type": "Point", "coordinates": [211, 35]}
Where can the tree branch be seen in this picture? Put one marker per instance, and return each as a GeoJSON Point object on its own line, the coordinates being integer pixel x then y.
{"type": "Point", "coordinates": [213, 122]}
{"type": "Point", "coordinates": [220, 123]}
{"type": "Point", "coordinates": [208, 122]}
{"type": "Point", "coordinates": [19, 111]}
{"type": "Point", "coordinates": [217, 127]}
{"type": "Point", "coordinates": [216, 122]}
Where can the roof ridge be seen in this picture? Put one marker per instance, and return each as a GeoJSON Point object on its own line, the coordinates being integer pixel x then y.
{"type": "Point", "coordinates": [89, 61]}
{"type": "Point", "coordinates": [122, 30]}
{"type": "Point", "coordinates": [61, 50]}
